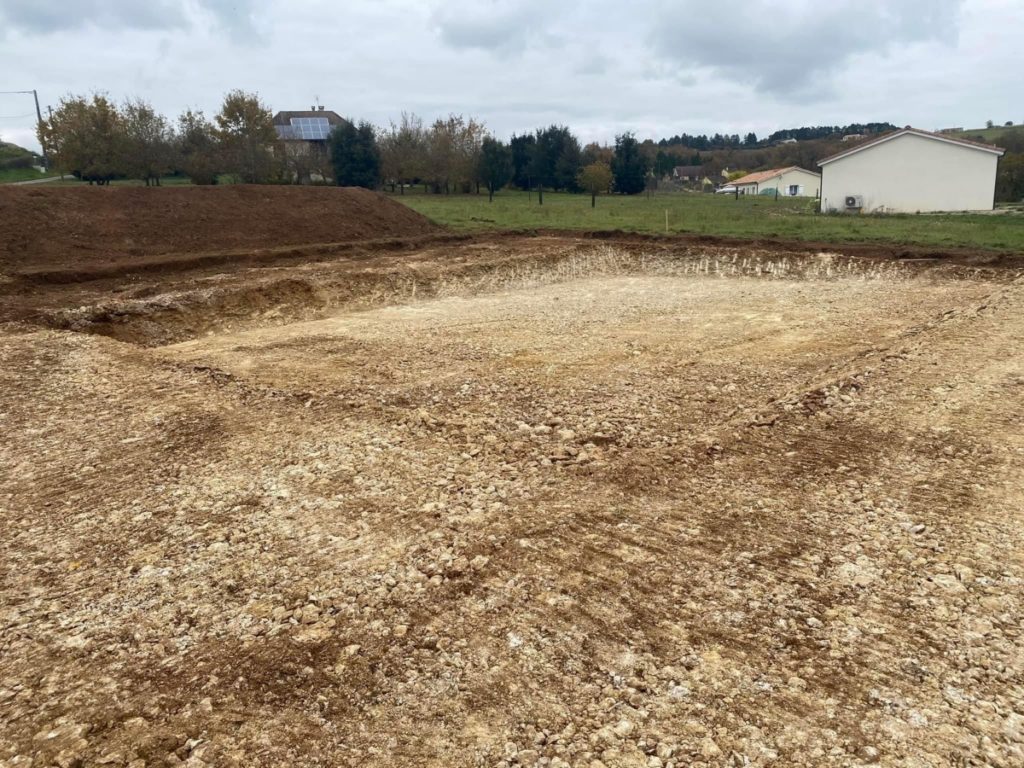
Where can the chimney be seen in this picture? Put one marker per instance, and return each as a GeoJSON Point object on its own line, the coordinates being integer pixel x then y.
{"type": "Point", "coordinates": [322, 107]}
{"type": "Point", "coordinates": [312, 108]}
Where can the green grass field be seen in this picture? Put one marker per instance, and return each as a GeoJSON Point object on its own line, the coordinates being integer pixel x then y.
{"type": "Point", "coordinates": [750, 217]}
{"type": "Point", "coordinates": [11, 175]}
{"type": "Point", "coordinates": [989, 134]}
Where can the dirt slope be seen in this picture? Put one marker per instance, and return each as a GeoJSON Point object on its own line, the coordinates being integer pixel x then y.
{"type": "Point", "coordinates": [45, 228]}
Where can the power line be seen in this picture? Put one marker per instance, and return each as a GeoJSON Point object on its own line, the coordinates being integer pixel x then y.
{"type": "Point", "coordinates": [15, 117]}
{"type": "Point", "coordinates": [7, 93]}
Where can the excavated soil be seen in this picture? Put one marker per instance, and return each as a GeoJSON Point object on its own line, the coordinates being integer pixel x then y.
{"type": "Point", "coordinates": [527, 501]}
{"type": "Point", "coordinates": [74, 228]}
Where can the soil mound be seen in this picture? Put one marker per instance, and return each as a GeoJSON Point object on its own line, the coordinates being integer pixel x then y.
{"type": "Point", "coordinates": [43, 228]}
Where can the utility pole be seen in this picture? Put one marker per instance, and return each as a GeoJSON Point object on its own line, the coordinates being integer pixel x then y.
{"type": "Point", "coordinates": [39, 127]}
{"type": "Point", "coordinates": [39, 118]}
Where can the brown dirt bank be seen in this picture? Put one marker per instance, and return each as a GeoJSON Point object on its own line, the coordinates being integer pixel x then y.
{"type": "Point", "coordinates": [69, 227]}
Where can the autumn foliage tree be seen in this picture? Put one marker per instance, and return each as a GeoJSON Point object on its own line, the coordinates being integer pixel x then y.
{"type": "Point", "coordinates": [245, 128]}
{"type": "Point", "coordinates": [198, 148]}
{"type": "Point", "coordinates": [86, 138]}
{"type": "Point", "coordinates": [148, 144]}
{"type": "Point", "coordinates": [453, 152]}
{"type": "Point", "coordinates": [595, 179]}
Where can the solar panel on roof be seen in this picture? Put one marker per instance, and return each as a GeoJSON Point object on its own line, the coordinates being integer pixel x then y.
{"type": "Point", "coordinates": [311, 128]}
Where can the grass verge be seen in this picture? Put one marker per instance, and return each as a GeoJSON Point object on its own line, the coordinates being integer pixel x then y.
{"type": "Point", "coordinates": [750, 217]}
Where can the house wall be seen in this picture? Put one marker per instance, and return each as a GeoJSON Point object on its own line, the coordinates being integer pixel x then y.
{"type": "Point", "coordinates": [810, 182]}
{"type": "Point", "coordinates": [912, 174]}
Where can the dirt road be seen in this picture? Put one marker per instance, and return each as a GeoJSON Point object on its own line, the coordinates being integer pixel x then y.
{"type": "Point", "coordinates": [516, 503]}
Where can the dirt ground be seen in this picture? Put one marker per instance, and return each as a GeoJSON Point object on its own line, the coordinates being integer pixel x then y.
{"type": "Point", "coordinates": [42, 229]}
{"type": "Point", "coordinates": [528, 501]}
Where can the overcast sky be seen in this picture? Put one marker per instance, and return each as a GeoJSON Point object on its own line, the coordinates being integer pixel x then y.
{"type": "Point", "coordinates": [656, 67]}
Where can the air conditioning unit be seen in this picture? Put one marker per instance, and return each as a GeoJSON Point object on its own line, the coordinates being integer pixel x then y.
{"type": "Point", "coordinates": [854, 201]}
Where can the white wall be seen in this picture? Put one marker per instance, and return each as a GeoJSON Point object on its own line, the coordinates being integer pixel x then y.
{"type": "Point", "coordinates": [912, 174]}
{"type": "Point", "coordinates": [810, 183]}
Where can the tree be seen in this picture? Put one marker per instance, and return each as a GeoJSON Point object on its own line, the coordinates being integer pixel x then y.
{"type": "Point", "coordinates": [495, 165]}
{"type": "Point", "coordinates": [750, 139]}
{"type": "Point", "coordinates": [468, 143]}
{"type": "Point", "coordinates": [595, 153]}
{"type": "Point", "coordinates": [86, 138]}
{"type": "Point", "coordinates": [246, 131]}
{"type": "Point", "coordinates": [149, 142]}
{"type": "Point", "coordinates": [629, 166]}
{"type": "Point", "coordinates": [403, 152]}
{"type": "Point", "coordinates": [453, 151]}
{"type": "Point", "coordinates": [304, 160]}
{"type": "Point", "coordinates": [198, 149]}
{"type": "Point", "coordinates": [664, 163]}
{"type": "Point", "coordinates": [989, 124]}
{"type": "Point", "coordinates": [595, 178]}
{"type": "Point", "coordinates": [354, 155]}
{"type": "Point", "coordinates": [442, 151]}
{"type": "Point", "coordinates": [556, 158]}
{"type": "Point", "coordinates": [522, 148]}
{"type": "Point", "coordinates": [1010, 180]}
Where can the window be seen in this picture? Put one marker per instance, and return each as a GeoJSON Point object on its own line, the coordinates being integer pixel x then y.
{"type": "Point", "coordinates": [794, 190]}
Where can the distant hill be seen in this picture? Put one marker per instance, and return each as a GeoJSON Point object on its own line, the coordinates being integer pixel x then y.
{"type": "Point", "coordinates": [751, 141]}
{"type": "Point", "coordinates": [17, 163]}
{"type": "Point", "coordinates": [10, 152]}
{"type": "Point", "coordinates": [989, 134]}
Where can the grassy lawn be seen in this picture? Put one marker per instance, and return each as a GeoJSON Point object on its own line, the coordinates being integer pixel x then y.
{"type": "Point", "coordinates": [989, 134]}
{"type": "Point", "coordinates": [751, 217]}
{"type": "Point", "coordinates": [10, 175]}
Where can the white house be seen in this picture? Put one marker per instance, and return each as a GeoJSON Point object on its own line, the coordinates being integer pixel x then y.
{"type": "Point", "coordinates": [911, 171]}
{"type": "Point", "coordinates": [786, 182]}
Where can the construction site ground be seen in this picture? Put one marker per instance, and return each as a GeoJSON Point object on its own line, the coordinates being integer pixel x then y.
{"type": "Point", "coordinates": [511, 500]}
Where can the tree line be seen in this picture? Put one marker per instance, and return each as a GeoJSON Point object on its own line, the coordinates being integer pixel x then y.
{"type": "Point", "coordinates": [1010, 176]}
{"type": "Point", "coordinates": [99, 140]}
{"type": "Point", "coordinates": [458, 154]}
{"type": "Point", "coordinates": [705, 143]}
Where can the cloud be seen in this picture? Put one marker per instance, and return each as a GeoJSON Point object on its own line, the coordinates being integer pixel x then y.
{"type": "Point", "coordinates": [41, 17]}
{"type": "Point", "coordinates": [236, 17]}
{"type": "Point", "coordinates": [593, 63]}
{"type": "Point", "coordinates": [501, 26]}
{"type": "Point", "coordinates": [658, 67]}
{"type": "Point", "coordinates": [789, 50]}
{"type": "Point", "coordinates": [47, 16]}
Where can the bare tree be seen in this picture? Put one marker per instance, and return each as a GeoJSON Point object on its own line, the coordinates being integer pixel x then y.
{"type": "Point", "coordinates": [403, 149]}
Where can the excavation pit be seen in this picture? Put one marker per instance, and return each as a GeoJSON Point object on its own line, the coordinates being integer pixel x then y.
{"type": "Point", "coordinates": [480, 501]}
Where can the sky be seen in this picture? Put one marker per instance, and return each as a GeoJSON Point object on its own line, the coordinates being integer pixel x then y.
{"type": "Point", "coordinates": [654, 67]}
